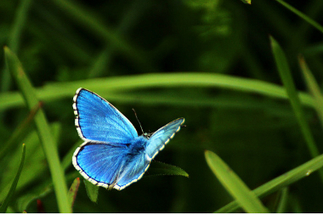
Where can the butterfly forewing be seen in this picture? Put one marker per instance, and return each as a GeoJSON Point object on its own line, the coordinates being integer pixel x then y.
{"type": "Point", "coordinates": [98, 120]}
{"type": "Point", "coordinates": [161, 137]}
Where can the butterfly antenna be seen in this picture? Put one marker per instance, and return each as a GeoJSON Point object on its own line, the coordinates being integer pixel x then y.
{"type": "Point", "coordinates": [138, 120]}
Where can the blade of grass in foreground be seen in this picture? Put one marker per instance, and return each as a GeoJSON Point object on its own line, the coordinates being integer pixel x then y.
{"type": "Point", "coordinates": [284, 180]}
{"type": "Point", "coordinates": [234, 185]}
{"type": "Point", "coordinates": [285, 74]}
{"type": "Point", "coordinates": [43, 130]}
{"type": "Point", "coordinates": [6, 202]}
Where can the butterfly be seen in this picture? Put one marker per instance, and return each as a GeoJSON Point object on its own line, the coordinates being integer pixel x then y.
{"type": "Point", "coordinates": [113, 154]}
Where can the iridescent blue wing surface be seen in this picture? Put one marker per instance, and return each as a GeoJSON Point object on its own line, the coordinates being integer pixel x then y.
{"type": "Point", "coordinates": [98, 120]}
{"type": "Point", "coordinates": [133, 171]}
{"type": "Point", "coordinates": [161, 137]}
{"type": "Point", "coordinates": [100, 163]}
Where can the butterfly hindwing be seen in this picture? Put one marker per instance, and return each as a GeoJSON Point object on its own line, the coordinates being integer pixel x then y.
{"type": "Point", "coordinates": [109, 164]}
{"type": "Point", "coordinates": [100, 163]}
{"type": "Point", "coordinates": [133, 170]}
{"type": "Point", "coordinates": [161, 137]}
{"type": "Point", "coordinates": [98, 120]}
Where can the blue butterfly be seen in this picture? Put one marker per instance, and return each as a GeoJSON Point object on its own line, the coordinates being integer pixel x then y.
{"type": "Point", "coordinates": [113, 154]}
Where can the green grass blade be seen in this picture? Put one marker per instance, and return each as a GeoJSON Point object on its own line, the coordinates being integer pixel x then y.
{"type": "Point", "coordinates": [284, 180]}
{"type": "Point", "coordinates": [6, 202]}
{"type": "Point", "coordinates": [285, 74]}
{"type": "Point", "coordinates": [233, 184]}
{"type": "Point", "coordinates": [43, 129]}
{"type": "Point", "coordinates": [19, 133]}
{"type": "Point", "coordinates": [313, 88]}
{"type": "Point", "coordinates": [14, 38]}
{"type": "Point", "coordinates": [111, 37]}
{"type": "Point", "coordinates": [110, 87]}
{"type": "Point", "coordinates": [302, 15]}
{"type": "Point", "coordinates": [283, 200]}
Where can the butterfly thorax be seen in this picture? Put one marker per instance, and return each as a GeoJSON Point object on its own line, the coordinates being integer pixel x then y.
{"type": "Point", "coordinates": [137, 145]}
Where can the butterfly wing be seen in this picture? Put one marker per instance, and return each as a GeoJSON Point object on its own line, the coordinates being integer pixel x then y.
{"type": "Point", "coordinates": [100, 163]}
{"type": "Point", "coordinates": [110, 165]}
{"type": "Point", "coordinates": [161, 137]}
{"type": "Point", "coordinates": [98, 120]}
{"type": "Point", "coordinates": [133, 170]}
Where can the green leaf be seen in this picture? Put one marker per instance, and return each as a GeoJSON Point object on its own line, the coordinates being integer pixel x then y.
{"type": "Point", "coordinates": [9, 197]}
{"type": "Point", "coordinates": [159, 168]}
{"type": "Point", "coordinates": [246, 1]}
{"type": "Point", "coordinates": [284, 180]}
{"type": "Point", "coordinates": [92, 191]}
{"type": "Point", "coordinates": [234, 185]}
{"type": "Point", "coordinates": [285, 74]}
{"type": "Point", "coordinates": [73, 191]}
{"type": "Point", "coordinates": [45, 136]}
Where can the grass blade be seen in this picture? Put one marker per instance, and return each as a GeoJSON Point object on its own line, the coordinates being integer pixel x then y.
{"type": "Point", "coordinates": [6, 202]}
{"type": "Point", "coordinates": [43, 129]}
{"type": "Point", "coordinates": [283, 200]}
{"type": "Point", "coordinates": [313, 88]}
{"type": "Point", "coordinates": [287, 80]}
{"type": "Point", "coordinates": [14, 38]}
{"type": "Point", "coordinates": [111, 37]}
{"type": "Point", "coordinates": [284, 180]}
{"type": "Point", "coordinates": [234, 185]}
{"type": "Point", "coordinates": [302, 15]}
{"type": "Point", "coordinates": [20, 132]}
{"type": "Point", "coordinates": [110, 87]}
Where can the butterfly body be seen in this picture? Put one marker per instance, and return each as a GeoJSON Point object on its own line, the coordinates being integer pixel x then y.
{"type": "Point", "coordinates": [113, 155]}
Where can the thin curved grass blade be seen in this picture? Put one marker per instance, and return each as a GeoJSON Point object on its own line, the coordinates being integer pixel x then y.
{"type": "Point", "coordinates": [9, 197]}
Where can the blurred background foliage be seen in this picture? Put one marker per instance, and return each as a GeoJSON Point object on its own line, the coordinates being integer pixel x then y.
{"type": "Point", "coordinates": [258, 136]}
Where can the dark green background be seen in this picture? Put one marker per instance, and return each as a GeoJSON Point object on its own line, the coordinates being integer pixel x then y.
{"type": "Point", "coordinates": [257, 136]}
